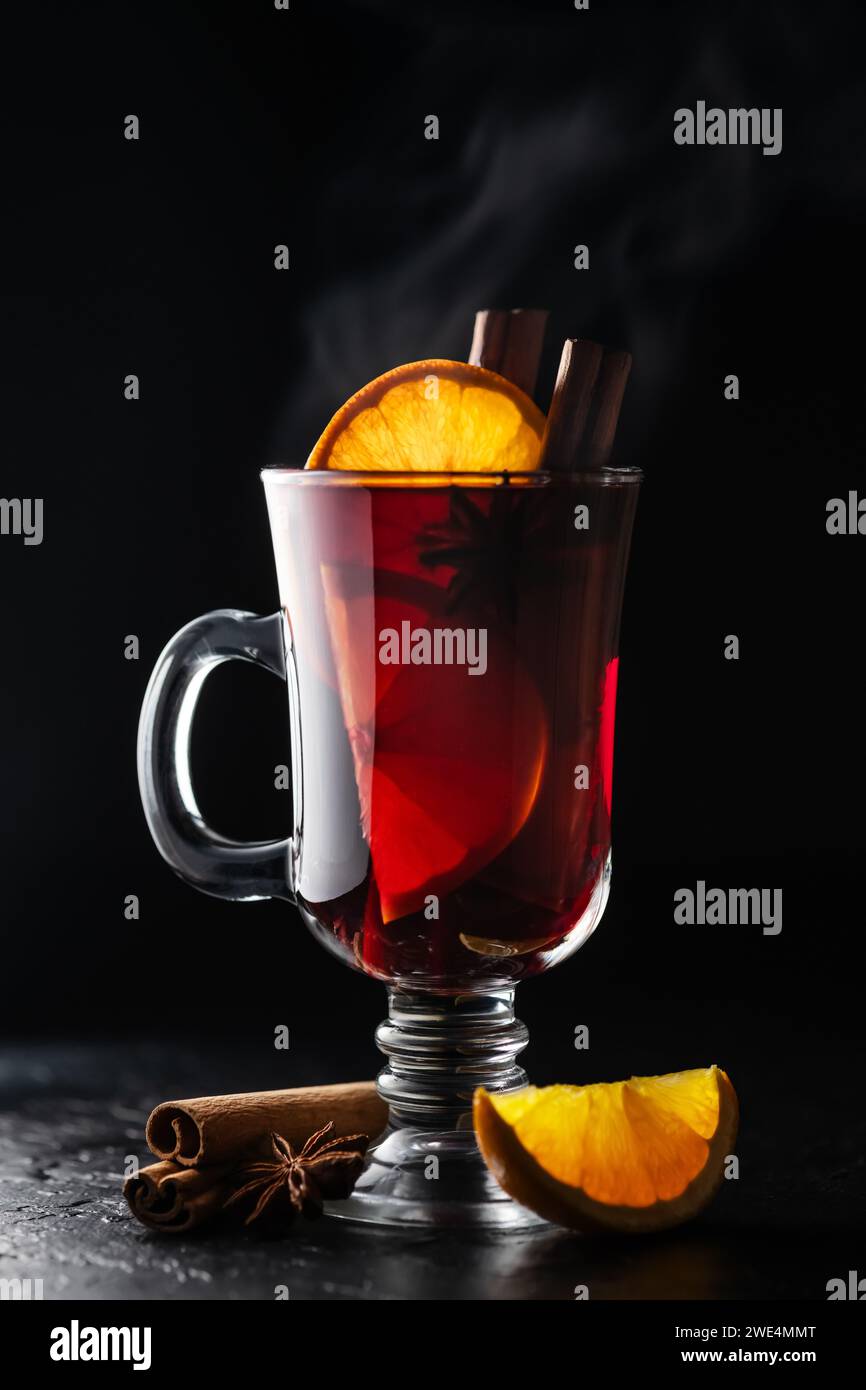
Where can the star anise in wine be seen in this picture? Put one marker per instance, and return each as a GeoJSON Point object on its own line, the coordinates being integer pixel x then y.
{"type": "Point", "coordinates": [485, 548]}
{"type": "Point", "coordinates": [298, 1183]}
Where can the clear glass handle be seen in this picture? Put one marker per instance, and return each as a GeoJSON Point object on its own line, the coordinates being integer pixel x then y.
{"type": "Point", "coordinates": [207, 860]}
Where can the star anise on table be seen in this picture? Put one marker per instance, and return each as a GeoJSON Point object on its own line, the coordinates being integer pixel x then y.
{"type": "Point", "coordinates": [485, 548]}
{"type": "Point", "coordinates": [298, 1183]}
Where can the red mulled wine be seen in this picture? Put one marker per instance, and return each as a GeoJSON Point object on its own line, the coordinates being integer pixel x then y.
{"type": "Point", "coordinates": [452, 681]}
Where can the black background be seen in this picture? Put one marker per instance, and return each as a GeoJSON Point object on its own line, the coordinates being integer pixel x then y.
{"type": "Point", "coordinates": [155, 257]}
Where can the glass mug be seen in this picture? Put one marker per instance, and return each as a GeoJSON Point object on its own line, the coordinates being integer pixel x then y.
{"type": "Point", "coordinates": [449, 644]}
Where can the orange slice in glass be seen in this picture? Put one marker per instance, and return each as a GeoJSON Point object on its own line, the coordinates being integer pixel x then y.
{"type": "Point", "coordinates": [632, 1156]}
{"type": "Point", "coordinates": [447, 764]}
{"type": "Point", "coordinates": [434, 416]}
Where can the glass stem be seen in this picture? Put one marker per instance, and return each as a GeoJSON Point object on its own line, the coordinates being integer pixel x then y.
{"type": "Point", "coordinates": [440, 1047]}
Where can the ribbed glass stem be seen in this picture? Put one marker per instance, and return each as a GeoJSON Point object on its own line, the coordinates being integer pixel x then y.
{"type": "Point", "coordinates": [440, 1048]}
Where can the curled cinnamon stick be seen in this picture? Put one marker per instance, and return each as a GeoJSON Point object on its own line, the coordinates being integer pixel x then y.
{"type": "Point", "coordinates": [216, 1129]}
{"type": "Point", "coordinates": [171, 1199]}
{"type": "Point", "coordinates": [509, 341]}
{"type": "Point", "coordinates": [584, 410]}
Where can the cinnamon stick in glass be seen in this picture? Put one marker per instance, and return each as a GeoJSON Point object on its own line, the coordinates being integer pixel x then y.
{"type": "Point", "coordinates": [584, 409]}
{"type": "Point", "coordinates": [216, 1129]}
{"type": "Point", "coordinates": [509, 341]}
{"type": "Point", "coordinates": [604, 417]}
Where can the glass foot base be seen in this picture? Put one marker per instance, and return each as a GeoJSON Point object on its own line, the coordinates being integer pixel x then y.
{"type": "Point", "coordinates": [427, 1177]}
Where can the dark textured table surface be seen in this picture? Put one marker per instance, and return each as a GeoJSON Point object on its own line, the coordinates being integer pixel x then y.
{"type": "Point", "coordinates": [71, 1113]}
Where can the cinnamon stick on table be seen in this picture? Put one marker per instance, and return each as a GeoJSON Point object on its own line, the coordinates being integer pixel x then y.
{"type": "Point", "coordinates": [216, 1129]}
{"type": "Point", "coordinates": [584, 409]}
{"type": "Point", "coordinates": [174, 1200]}
{"type": "Point", "coordinates": [205, 1144]}
{"type": "Point", "coordinates": [509, 341]}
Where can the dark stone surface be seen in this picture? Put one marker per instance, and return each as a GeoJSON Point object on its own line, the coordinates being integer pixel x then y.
{"type": "Point", "coordinates": [70, 1113]}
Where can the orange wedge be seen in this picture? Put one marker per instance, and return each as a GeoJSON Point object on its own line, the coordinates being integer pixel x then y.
{"type": "Point", "coordinates": [434, 416]}
{"type": "Point", "coordinates": [630, 1156]}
